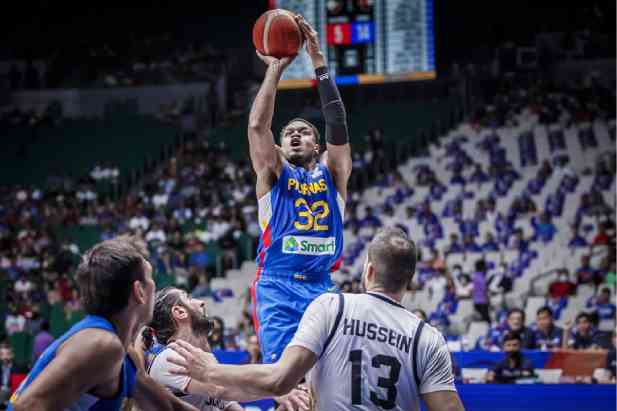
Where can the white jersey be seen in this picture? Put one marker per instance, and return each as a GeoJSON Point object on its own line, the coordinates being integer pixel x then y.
{"type": "Point", "coordinates": [159, 370]}
{"type": "Point", "coordinates": [373, 354]}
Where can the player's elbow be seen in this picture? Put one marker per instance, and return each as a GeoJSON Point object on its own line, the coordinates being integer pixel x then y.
{"type": "Point", "coordinates": [335, 114]}
{"type": "Point", "coordinates": [256, 127]}
{"type": "Point", "coordinates": [280, 385]}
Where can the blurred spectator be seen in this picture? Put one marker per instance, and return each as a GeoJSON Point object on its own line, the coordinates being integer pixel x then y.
{"type": "Point", "coordinates": [156, 234]}
{"type": "Point", "coordinates": [436, 263]}
{"type": "Point", "coordinates": [15, 322]}
{"type": "Point", "coordinates": [544, 229]}
{"type": "Point", "coordinates": [229, 246]}
{"type": "Point", "coordinates": [454, 246]}
{"type": "Point", "coordinates": [515, 366]}
{"type": "Point", "coordinates": [439, 320]}
{"type": "Point", "coordinates": [463, 286]}
{"type": "Point", "coordinates": [437, 286]}
{"type": "Point", "coordinates": [470, 246]}
{"type": "Point", "coordinates": [583, 336]}
{"type": "Point", "coordinates": [217, 335]}
{"type": "Point", "coordinates": [515, 322]}
{"type": "Point", "coordinates": [252, 347]}
{"type": "Point", "coordinates": [11, 374]}
{"type": "Point", "coordinates": [370, 220]}
{"type": "Point", "coordinates": [42, 340]}
{"type": "Point", "coordinates": [562, 287]}
{"type": "Point", "coordinates": [610, 278]}
{"type": "Point", "coordinates": [497, 281]}
{"type": "Point", "coordinates": [23, 286]}
{"type": "Point", "coordinates": [546, 335]}
{"type": "Point", "coordinates": [480, 295]}
{"type": "Point", "coordinates": [611, 361]}
{"type": "Point", "coordinates": [585, 274]}
{"type": "Point", "coordinates": [490, 244]}
{"type": "Point", "coordinates": [601, 238]}
{"type": "Point", "coordinates": [519, 242]}
{"type": "Point", "coordinates": [202, 288]}
{"type": "Point", "coordinates": [478, 176]}
{"type": "Point", "coordinates": [601, 306]}
{"type": "Point", "coordinates": [577, 240]}
{"type": "Point", "coordinates": [199, 256]}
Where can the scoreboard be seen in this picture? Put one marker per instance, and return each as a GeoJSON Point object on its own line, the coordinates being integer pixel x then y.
{"type": "Point", "coordinates": [366, 41]}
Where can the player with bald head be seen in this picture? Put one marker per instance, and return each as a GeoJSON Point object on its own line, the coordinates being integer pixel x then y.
{"type": "Point", "coordinates": [301, 199]}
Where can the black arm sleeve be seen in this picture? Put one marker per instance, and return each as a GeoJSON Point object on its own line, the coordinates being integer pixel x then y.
{"type": "Point", "coordinates": [333, 108]}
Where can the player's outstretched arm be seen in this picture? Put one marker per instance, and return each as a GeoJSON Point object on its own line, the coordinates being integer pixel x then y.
{"type": "Point", "coordinates": [243, 382]}
{"type": "Point", "coordinates": [264, 155]}
{"type": "Point", "coordinates": [82, 365]}
{"type": "Point", "coordinates": [338, 158]}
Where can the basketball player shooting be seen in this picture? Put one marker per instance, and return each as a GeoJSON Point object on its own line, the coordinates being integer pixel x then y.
{"type": "Point", "coordinates": [300, 200]}
{"type": "Point", "coordinates": [361, 351]}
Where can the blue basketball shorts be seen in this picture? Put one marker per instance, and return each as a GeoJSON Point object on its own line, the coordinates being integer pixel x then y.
{"type": "Point", "coordinates": [279, 301]}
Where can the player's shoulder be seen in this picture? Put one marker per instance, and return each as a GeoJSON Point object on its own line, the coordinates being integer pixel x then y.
{"type": "Point", "coordinates": [329, 299]}
{"type": "Point", "coordinates": [432, 337]}
{"type": "Point", "coordinates": [93, 347]}
{"type": "Point", "coordinates": [99, 340]}
{"type": "Point", "coordinates": [160, 360]}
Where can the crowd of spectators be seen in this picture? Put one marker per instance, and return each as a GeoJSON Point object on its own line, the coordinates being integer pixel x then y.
{"type": "Point", "coordinates": [578, 101]}
{"type": "Point", "coordinates": [487, 284]}
{"type": "Point", "coordinates": [191, 209]}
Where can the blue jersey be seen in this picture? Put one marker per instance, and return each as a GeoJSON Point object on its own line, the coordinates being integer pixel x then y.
{"type": "Point", "coordinates": [301, 220]}
{"type": "Point", "coordinates": [547, 341]}
{"type": "Point", "coordinates": [87, 402]}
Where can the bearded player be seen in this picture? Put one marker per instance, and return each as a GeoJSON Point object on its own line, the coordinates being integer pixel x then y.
{"type": "Point", "coordinates": [300, 199]}
{"type": "Point", "coordinates": [178, 316]}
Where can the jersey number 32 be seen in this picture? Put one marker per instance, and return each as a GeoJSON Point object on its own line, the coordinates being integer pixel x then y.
{"type": "Point", "coordinates": [310, 217]}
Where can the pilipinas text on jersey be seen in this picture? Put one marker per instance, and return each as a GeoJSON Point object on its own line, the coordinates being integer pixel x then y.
{"type": "Point", "coordinates": [301, 220]}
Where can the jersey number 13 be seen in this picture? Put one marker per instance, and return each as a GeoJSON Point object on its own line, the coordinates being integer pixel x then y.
{"type": "Point", "coordinates": [389, 384]}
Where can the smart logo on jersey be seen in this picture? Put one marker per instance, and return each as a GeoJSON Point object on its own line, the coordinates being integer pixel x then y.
{"type": "Point", "coordinates": [295, 244]}
{"type": "Point", "coordinates": [290, 245]}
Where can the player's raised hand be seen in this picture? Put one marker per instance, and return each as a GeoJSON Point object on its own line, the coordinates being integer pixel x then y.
{"type": "Point", "coordinates": [194, 362]}
{"type": "Point", "coordinates": [269, 60]}
{"type": "Point", "coordinates": [312, 41]}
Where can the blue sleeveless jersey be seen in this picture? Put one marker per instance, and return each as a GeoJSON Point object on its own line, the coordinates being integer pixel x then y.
{"type": "Point", "coordinates": [301, 220]}
{"type": "Point", "coordinates": [86, 402]}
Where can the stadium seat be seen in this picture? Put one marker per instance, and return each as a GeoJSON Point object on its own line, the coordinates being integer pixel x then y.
{"type": "Point", "coordinates": [601, 374]}
{"type": "Point", "coordinates": [476, 330]}
{"type": "Point", "coordinates": [585, 291]}
{"type": "Point", "coordinates": [533, 304]}
{"type": "Point", "coordinates": [606, 325]}
{"type": "Point", "coordinates": [549, 376]}
{"type": "Point", "coordinates": [474, 375]}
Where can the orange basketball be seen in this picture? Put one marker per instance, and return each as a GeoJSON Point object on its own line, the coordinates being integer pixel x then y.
{"type": "Point", "coordinates": [277, 34]}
